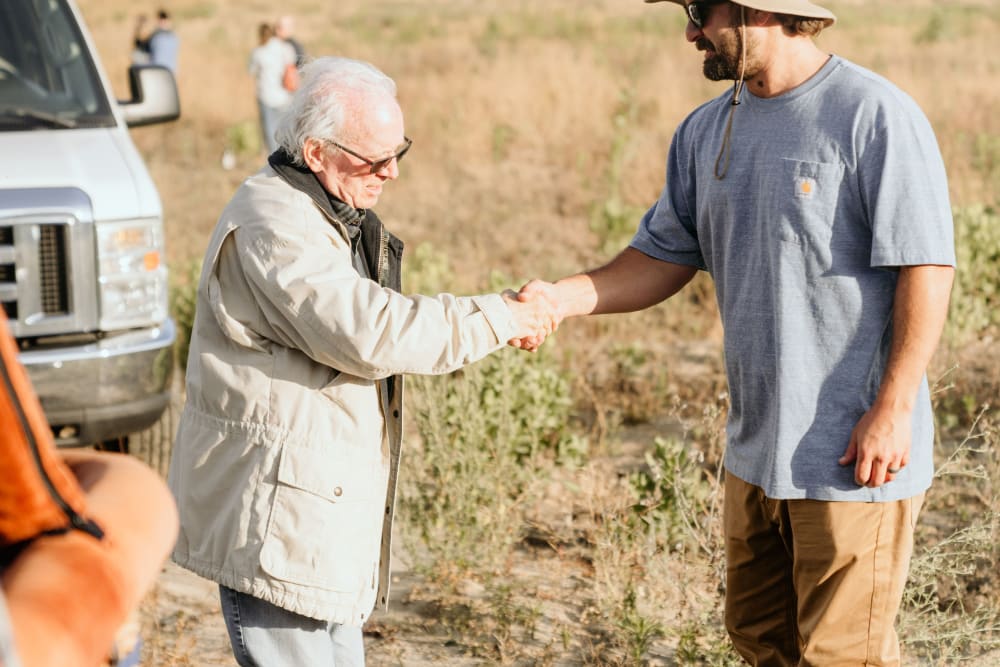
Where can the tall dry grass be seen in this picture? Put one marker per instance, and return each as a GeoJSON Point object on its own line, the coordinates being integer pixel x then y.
{"type": "Point", "coordinates": [517, 109]}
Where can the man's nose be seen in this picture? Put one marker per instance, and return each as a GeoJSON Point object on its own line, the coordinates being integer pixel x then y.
{"type": "Point", "coordinates": [692, 32]}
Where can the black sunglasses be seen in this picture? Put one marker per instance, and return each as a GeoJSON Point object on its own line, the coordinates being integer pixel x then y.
{"type": "Point", "coordinates": [378, 165]}
{"type": "Point", "coordinates": [697, 11]}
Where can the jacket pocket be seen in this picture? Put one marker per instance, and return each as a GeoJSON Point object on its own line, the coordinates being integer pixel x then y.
{"type": "Point", "coordinates": [324, 522]}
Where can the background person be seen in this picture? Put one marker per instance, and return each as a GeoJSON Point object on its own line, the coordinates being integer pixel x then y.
{"type": "Point", "coordinates": [287, 451]}
{"type": "Point", "coordinates": [284, 28]}
{"type": "Point", "coordinates": [817, 200]}
{"type": "Point", "coordinates": [160, 47]}
{"type": "Point", "coordinates": [140, 49]}
{"type": "Point", "coordinates": [267, 66]}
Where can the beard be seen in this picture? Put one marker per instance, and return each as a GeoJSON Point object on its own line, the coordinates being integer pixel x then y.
{"type": "Point", "coordinates": [725, 63]}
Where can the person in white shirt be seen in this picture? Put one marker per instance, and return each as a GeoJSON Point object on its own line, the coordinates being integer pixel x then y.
{"type": "Point", "coordinates": [267, 66]}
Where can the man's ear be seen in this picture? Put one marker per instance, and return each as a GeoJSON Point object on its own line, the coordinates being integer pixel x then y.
{"type": "Point", "coordinates": [312, 153]}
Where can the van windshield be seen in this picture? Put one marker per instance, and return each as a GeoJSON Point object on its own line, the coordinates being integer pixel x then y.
{"type": "Point", "coordinates": [47, 77]}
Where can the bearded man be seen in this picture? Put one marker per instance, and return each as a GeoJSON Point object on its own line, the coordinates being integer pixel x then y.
{"type": "Point", "coordinates": [815, 195]}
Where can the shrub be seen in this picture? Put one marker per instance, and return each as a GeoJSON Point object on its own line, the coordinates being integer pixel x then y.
{"type": "Point", "coordinates": [243, 138]}
{"type": "Point", "coordinates": [183, 294]}
{"type": "Point", "coordinates": [976, 295]}
{"type": "Point", "coordinates": [950, 611]}
{"type": "Point", "coordinates": [482, 433]}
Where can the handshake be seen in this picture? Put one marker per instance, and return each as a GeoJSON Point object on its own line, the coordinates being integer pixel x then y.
{"type": "Point", "coordinates": [537, 313]}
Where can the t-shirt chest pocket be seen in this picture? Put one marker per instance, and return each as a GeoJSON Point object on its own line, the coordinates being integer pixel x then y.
{"type": "Point", "coordinates": [805, 198]}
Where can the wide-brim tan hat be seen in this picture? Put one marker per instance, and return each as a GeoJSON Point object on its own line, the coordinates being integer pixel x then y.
{"type": "Point", "coordinates": [791, 7]}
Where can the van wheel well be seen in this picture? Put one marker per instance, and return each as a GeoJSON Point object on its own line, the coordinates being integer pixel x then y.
{"type": "Point", "coordinates": [119, 445]}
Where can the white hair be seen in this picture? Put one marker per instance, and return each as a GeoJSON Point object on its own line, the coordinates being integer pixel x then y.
{"type": "Point", "coordinates": [331, 91]}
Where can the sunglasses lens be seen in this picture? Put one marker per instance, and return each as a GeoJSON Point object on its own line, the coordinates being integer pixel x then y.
{"type": "Point", "coordinates": [694, 13]}
{"type": "Point", "coordinates": [382, 164]}
{"type": "Point", "coordinates": [402, 152]}
{"type": "Point", "coordinates": [379, 165]}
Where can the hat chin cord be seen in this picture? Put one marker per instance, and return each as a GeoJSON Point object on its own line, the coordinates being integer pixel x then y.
{"type": "Point", "coordinates": [727, 147]}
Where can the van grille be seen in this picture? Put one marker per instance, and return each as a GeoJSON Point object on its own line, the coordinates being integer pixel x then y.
{"type": "Point", "coordinates": [48, 273]}
{"type": "Point", "coordinates": [8, 272]}
{"type": "Point", "coordinates": [52, 269]}
{"type": "Point", "coordinates": [49, 255]}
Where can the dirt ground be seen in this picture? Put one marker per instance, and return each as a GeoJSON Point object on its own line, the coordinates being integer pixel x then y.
{"type": "Point", "coordinates": [182, 625]}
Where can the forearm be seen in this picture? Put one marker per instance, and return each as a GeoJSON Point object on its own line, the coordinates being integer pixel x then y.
{"type": "Point", "coordinates": [631, 281]}
{"type": "Point", "coordinates": [921, 306]}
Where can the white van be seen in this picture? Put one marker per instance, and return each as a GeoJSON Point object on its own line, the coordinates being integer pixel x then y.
{"type": "Point", "coordinates": [83, 276]}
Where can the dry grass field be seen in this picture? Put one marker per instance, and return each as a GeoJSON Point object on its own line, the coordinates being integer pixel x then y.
{"type": "Point", "coordinates": [574, 520]}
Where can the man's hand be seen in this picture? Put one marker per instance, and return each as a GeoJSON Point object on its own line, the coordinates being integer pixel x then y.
{"type": "Point", "coordinates": [613, 288]}
{"type": "Point", "coordinates": [879, 446]}
{"type": "Point", "coordinates": [536, 317]}
{"type": "Point", "coordinates": [880, 442]}
{"type": "Point", "coordinates": [544, 295]}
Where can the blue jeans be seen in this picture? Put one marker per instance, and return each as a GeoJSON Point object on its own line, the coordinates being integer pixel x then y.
{"type": "Point", "coordinates": [263, 635]}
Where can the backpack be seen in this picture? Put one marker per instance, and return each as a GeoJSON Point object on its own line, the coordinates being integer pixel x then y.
{"type": "Point", "coordinates": [290, 79]}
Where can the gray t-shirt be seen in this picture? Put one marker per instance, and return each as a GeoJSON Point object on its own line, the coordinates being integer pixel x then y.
{"type": "Point", "coordinates": [830, 186]}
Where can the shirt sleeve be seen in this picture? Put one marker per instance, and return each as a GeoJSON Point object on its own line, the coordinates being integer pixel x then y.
{"type": "Point", "coordinates": [308, 296]}
{"type": "Point", "coordinates": [668, 230]}
{"type": "Point", "coordinates": [905, 191]}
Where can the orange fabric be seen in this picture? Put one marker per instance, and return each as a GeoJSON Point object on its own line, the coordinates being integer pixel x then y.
{"type": "Point", "coordinates": [68, 592]}
{"type": "Point", "coordinates": [27, 506]}
{"type": "Point", "coordinates": [67, 597]}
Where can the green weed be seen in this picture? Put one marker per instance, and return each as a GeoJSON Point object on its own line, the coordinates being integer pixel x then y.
{"type": "Point", "coordinates": [183, 296]}
{"type": "Point", "coordinates": [613, 220]}
{"type": "Point", "coordinates": [949, 611]}
{"type": "Point", "coordinates": [426, 271]}
{"type": "Point", "coordinates": [639, 631]}
{"type": "Point", "coordinates": [243, 138]}
{"type": "Point", "coordinates": [481, 433]}
{"type": "Point", "coordinates": [975, 301]}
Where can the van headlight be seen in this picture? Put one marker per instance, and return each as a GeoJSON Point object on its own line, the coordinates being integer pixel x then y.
{"type": "Point", "coordinates": [132, 275]}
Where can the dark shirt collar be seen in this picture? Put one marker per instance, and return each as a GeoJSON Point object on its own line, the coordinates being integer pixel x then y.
{"type": "Point", "coordinates": [303, 179]}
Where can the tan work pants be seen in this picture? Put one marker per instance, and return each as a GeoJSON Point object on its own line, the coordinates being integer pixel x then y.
{"type": "Point", "coordinates": [814, 582]}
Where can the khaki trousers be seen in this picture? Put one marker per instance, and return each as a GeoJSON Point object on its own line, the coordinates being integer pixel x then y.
{"type": "Point", "coordinates": [814, 582]}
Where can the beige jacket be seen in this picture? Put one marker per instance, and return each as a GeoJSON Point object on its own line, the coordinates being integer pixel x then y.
{"type": "Point", "coordinates": [285, 460]}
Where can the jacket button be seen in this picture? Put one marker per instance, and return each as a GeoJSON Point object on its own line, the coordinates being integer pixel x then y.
{"type": "Point", "coordinates": [338, 492]}
{"type": "Point", "coordinates": [395, 413]}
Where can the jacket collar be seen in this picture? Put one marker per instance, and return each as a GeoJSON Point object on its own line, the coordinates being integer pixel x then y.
{"type": "Point", "coordinates": [304, 180]}
{"type": "Point", "coordinates": [362, 225]}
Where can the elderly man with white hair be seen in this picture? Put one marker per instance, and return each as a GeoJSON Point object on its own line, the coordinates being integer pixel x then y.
{"type": "Point", "coordinates": [287, 451]}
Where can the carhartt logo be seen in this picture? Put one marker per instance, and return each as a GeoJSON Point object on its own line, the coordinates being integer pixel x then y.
{"type": "Point", "coordinates": [805, 187]}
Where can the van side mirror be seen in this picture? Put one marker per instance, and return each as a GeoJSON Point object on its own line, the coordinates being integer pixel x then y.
{"type": "Point", "coordinates": [154, 96]}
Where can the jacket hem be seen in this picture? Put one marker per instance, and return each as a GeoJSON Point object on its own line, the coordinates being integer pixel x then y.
{"type": "Point", "coordinates": [293, 601]}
